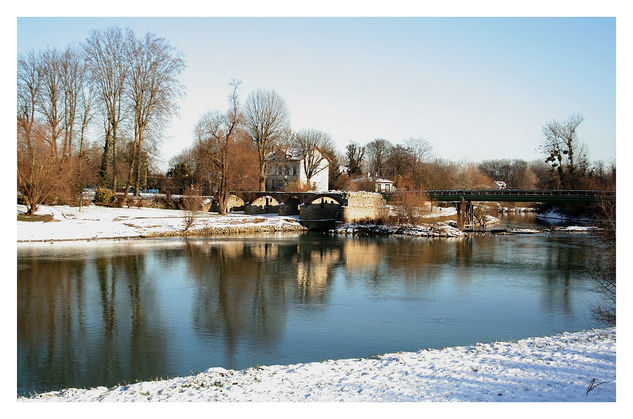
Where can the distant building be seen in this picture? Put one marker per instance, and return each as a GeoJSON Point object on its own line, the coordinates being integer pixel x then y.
{"type": "Point", "coordinates": [284, 167]}
{"type": "Point", "coordinates": [380, 185]}
{"type": "Point", "coordinates": [500, 184]}
{"type": "Point", "coordinates": [384, 185]}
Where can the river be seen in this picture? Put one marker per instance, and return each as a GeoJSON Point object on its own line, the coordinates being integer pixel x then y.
{"type": "Point", "coordinates": [94, 314]}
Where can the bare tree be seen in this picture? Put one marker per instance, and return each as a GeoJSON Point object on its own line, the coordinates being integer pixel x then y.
{"type": "Point", "coordinates": [266, 120]}
{"type": "Point", "coordinates": [107, 62]}
{"type": "Point", "coordinates": [603, 265]}
{"type": "Point", "coordinates": [354, 155]}
{"type": "Point", "coordinates": [28, 86]}
{"type": "Point", "coordinates": [73, 77]}
{"type": "Point", "coordinates": [562, 148]}
{"type": "Point", "coordinates": [377, 155]}
{"type": "Point", "coordinates": [310, 143]}
{"type": "Point", "coordinates": [420, 149]}
{"type": "Point", "coordinates": [153, 91]}
{"type": "Point", "coordinates": [39, 172]}
{"type": "Point", "coordinates": [86, 103]}
{"type": "Point", "coordinates": [51, 95]}
{"type": "Point", "coordinates": [219, 131]}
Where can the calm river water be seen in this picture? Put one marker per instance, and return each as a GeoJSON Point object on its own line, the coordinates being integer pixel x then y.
{"type": "Point", "coordinates": [116, 312]}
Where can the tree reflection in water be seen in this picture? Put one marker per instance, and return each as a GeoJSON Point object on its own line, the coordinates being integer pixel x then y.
{"type": "Point", "coordinates": [118, 313]}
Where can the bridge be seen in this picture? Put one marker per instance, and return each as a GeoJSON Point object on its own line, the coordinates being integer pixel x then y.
{"type": "Point", "coordinates": [516, 195]}
{"type": "Point", "coordinates": [287, 198]}
{"type": "Point", "coordinates": [463, 199]}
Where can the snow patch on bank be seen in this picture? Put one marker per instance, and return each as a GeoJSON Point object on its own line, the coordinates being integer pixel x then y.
{"type": "Point", "coordinates": [554, 217]}
{"type": "Point", "coordinates": [555, 368]}
{"type": "Point", "coordinates": [419, 230]}
{"type": "Point", "coordinates": [96, 222]}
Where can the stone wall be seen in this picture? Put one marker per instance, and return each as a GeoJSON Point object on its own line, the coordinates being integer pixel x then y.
{"type": "Point", "coordinates": [318, 212]}
{"type": "Point", "coordinates": [260, 209]}
{"type": "Point", "coordinates": [364, 206]}
{"type": "Point", "coordinates": [292, 209]}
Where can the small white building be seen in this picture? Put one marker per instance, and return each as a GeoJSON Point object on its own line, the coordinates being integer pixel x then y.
{"type": "Point", "coordinates": [384, 185]}
{"type": "Point", "coordinates": [500, 184]}
{"type": "Point", "coordinates": [284, 167]}
{"type": "Point", "coordinates": [380, 185]}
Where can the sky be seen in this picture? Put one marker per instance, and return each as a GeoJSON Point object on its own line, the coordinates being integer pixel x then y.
{"type": "Point", "coordinates": [475, 88]}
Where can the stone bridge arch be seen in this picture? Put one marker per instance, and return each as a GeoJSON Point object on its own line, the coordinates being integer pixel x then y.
{"type": "Point", "coordinates": [266, 200]}
{"type": "Point", "coordinates": [325, 198]}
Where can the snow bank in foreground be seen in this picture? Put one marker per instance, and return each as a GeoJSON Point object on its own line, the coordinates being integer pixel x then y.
{"type": "Point", "coordinates": [556, 368]}
{"type": "Point", "coordinates": [95, 222]}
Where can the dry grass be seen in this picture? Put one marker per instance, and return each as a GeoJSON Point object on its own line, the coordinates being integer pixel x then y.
{"type": "Point", "coordinates": [45, 218]}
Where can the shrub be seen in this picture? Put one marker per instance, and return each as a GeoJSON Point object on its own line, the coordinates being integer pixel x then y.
{"type": "Point", "coordinates": [191, 204]}
{"type": "Point", "coordinates": [410, 206]}
{"type": "Point", "coordinates": [104, 196]}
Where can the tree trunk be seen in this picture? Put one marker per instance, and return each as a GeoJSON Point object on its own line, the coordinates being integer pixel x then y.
{"type": "Point", "coordinates": [114, 177]}
{"type": "Point", "coordinates": [139, 156]}
{"type": "Point", "coordinates": [103, 167]}
{"type": "Point", "coordinates": [262, 177]}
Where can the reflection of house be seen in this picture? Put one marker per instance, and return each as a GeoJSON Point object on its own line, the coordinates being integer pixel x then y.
{"type": "Point", "coordinates": [284, 167]}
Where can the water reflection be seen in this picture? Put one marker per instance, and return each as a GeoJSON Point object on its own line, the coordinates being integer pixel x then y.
{"type": "Point", "coordinates": [103, 314]}
{"type": "Point", "coordinates": [92, 322]}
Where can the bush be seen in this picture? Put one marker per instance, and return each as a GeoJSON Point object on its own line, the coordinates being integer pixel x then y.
{"type": "Point", "coordinates": [104, 196]}
{"type": "Point", "coordinates": [410, 206]}
{"type": "Point", "coordinates": [192, 203]}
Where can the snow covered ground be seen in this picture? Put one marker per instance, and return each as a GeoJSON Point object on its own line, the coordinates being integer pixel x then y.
{"type": "Point", "coordinates": [556, 368]}
{"type": "Point", "coordinates": [438, 229]}
{"type": "Point", "coordinates": [95, 222]}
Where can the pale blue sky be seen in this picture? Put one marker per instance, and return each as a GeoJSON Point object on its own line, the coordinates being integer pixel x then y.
{"type": "Point", "coordinates": [476, 88]}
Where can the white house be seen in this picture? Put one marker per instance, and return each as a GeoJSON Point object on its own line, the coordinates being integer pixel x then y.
{"type": "Point", "coordinates": [288, 166]}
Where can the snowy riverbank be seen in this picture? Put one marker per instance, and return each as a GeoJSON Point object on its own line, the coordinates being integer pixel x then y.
{"type": "Point", "coordinates": [555, 368]}
{"type": "Point", "coordinates": [95, 222]}
{"type": "Point", "coordinates": [422, 230]}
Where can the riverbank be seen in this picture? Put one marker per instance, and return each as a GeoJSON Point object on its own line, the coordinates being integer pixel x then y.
{"type": "Point", "coordinates": [555, 368]}
{"type": "Point", "coordinates": [95, 222]}
{"type": "Point", "coordinates": [438, 229]}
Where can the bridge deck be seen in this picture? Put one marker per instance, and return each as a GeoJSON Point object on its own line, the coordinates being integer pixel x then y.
{"type": "Point", "coordinates": [520, 195]}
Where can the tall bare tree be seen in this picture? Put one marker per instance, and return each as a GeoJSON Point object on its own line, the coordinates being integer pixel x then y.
{"type": "Point", "coordinates": [266, 120]}
{"type": "Point", "coordinates": [563, 149]}
{"type": "Point", "coordinates": [219, 132]}
{"type": "Point", "coordinates": [86, 110]}
{"type": "Point", "coordinates": [310, 143]}
{"type": "Point", "coordinates": [73, 78]}
{"type": "Point", "coordinates": [420, 148]}
{"type": "Point", "coordinates": [51, 95]}
{"type": "Point", "coordinates": [106, 57]}
{"type": "Point", "coordinates": [153, 91]}
{"type": "Point", "coordinates": [354, 155]}
{"type": "Point", "coordinates": [28, 86]}
{"type": "Point", "coordinates": [377, 155]}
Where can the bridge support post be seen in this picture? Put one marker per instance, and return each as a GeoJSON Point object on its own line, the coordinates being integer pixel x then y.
{"type": "Point", "coordinates": [465, 214]}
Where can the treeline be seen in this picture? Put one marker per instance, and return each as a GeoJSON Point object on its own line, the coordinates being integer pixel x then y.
{"type": "Point", "coordinates": [120, 90]}
{"type": "Point", "coordinates": [114, 82]}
